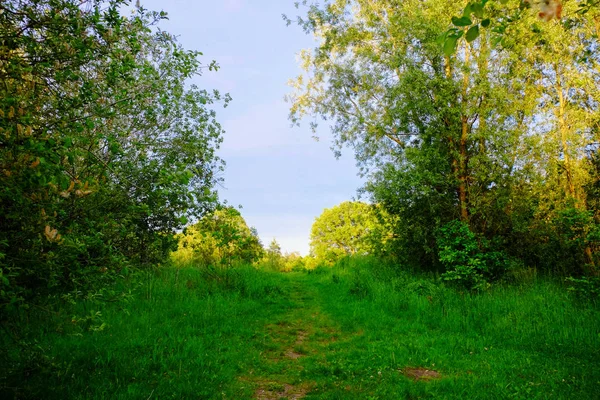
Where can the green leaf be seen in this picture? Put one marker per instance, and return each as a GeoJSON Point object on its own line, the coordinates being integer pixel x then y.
{"type": "Point", "coordinates": [485, 23]}
{"type": "Point", "coordinates": [441, 38]}
{"type": "Point", "coordinates": [183, 220]}
{"type": "Point", "coordinates": [472, 33]}
{"type": "Point", "coordinates": [468, 10]}
{"type": "Point", "coordinates": [462, 21]}
{"type": "Point", "coordinates": [477, 10]}
{"type": "Point", "coordinates": [114, 148]}
{"type": "Point", "coordinates": [450, 45]}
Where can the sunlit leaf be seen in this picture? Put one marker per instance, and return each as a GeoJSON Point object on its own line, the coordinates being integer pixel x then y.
{"type": "Point", "coordinates": [472, 33]}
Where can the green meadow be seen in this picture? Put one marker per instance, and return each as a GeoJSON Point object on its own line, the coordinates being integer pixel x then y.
{"type": "Point", "coordinates": [355, 331]}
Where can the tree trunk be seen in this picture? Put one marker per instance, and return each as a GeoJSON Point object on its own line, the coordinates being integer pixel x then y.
{"type": "Point", "coordinates": [463, 171]}
{"type": "Point", "coordinates": [563, 130]}
{"type": "Point", "coordinates": [463, 153]}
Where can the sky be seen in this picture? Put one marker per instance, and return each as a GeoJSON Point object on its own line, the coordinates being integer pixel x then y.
{"type": "Point", "coordinates": [279, 174]}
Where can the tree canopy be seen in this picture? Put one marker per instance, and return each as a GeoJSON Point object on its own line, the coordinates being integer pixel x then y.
{"type": "Point", "coordinates": [501, 136]}
{"type": "Point", "coordinates": [221, 238]}
{"type": "Point", "coordinates": [499, 16]}
{"type": "Point", "coordinates": [106, 149]}
{"type": "Point", "coordinates": [350, 228]}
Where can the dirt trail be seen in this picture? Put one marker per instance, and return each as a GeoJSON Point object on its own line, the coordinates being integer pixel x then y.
{"type": "Point", "coordinates": [296, 341]}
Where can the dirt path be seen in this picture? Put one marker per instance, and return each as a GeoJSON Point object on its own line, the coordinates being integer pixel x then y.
{"type": "Point", "coordinates": [297, 341]}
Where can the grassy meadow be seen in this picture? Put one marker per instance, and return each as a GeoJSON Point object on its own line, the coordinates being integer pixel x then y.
{"type": "Point", "coordinates": [359, 330]}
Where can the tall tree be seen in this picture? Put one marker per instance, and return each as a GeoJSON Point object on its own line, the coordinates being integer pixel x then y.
{"type": "Point", "coordinates": [221, 238]}
{"type": "Point", "coordinates": [439, 135]}
{"type": "Point", "coordinates": [105, 149]}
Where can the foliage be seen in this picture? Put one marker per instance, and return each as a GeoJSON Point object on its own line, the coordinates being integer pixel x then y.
{"type": "Point", "coordinates": [294, 262]}
{"type": "Point", "coordinates": [586, 288]}
{"type": "Point", "coordinates": [502, 139]}
{"type": "Point", "coordinates": [350, 228]}
{"type": "Point", "coordinates": [469, 262]}
{"type": "Point", "coordinates": [105, 147]}
{"type": "Point", "coordinates": [221, 238]}
{"type": "Point", "coordinates": [275, 261]}
{"type": "Point", "coordinates": [467, 265]}
{"type": "Point", "coordinates": [499, 16]}
{"type": "Point", "coordinates": [273, 258]}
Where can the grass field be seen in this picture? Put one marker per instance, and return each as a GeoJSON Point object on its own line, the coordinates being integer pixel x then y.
{"type": "Point", "coordinates": [356, 331]}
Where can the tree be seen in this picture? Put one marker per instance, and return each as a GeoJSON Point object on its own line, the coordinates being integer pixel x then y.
{"type": "Point", "coordinates": [273, 255]}
{"type": "Point", "coordinates": [274, 249]}
{"type": "Point", "coordinates": [105, 149]}
{"type": "Point", "coordinates": [293, 261]}
{"type": "Point", "coordinates": [499, 16]}
{"type": "Point", "coordinates": [221, 238]}
{"type": "Point", "coordinates": [420, 122]}
{"type": "Point", "coordinates": [493, 136]}
{"type": "Point", "coordinates": [350, 228]}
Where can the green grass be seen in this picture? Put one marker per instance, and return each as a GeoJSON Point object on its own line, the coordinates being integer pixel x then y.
{"type": "Point", "coordinates": [512, 342]}
{"type": "Point", "coordinates": [344, 333]}
{"type": "Point", "coordinates": [183, 334]}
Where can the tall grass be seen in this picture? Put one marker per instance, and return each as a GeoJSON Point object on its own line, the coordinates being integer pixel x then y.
{"type": "Point", "coordinates": [530, 341]}
{"type": "Point", "coordinates": [214, 333]}
{"type": "Point", "coordinates": [183, 333]}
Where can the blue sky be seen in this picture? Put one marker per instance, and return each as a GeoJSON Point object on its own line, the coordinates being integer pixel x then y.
{"type": "Point", "coordinates": [280, 175]}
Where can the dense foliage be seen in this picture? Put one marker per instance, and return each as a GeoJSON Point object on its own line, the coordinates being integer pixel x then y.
{"type": "Point", "coordinates": [498, 134]}
{"type": "Point", "coordinates": [348, 229]}
{"type": "Point", "coordinates": [105, 147]}
{"type": "Point", "coordinates": [221, 238]}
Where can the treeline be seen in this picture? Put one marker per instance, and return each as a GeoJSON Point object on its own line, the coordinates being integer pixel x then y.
{"type": "Point", "coordinates": [223, 239]}
{"type": "Point", "coordinates": [106, 149]}
{"type": "Point", "coordinates": [479, 142]}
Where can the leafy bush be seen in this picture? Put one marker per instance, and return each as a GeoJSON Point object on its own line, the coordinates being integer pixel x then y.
{"type": "Point", "coordinates": [469, 262]}
{"type": "Point", "coordinates": [586, 288]}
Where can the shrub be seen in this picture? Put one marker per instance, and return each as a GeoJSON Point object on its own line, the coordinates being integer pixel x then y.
{"type": "Point", "coordinates": [586, 288]}
{"type": "Point", "coordinates": [469, 261]}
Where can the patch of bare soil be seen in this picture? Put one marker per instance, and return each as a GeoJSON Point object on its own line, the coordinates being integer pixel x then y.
{"type": "Point", "coordinates": [293, 355]}
{"type": "Point", "coordinates": [274, 391]}
{"type": "Point", "coordinates": [290, 353]}
{"type": "Point", "coordinates": [421, 374]}
{"type": "Point", "coordinates": [301, 337]}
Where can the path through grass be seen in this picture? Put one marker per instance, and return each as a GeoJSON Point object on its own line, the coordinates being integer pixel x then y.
{"type": "Point", "coordinates": [331, 334]}
{"type": "Point", "coordinates": [350, 337]}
